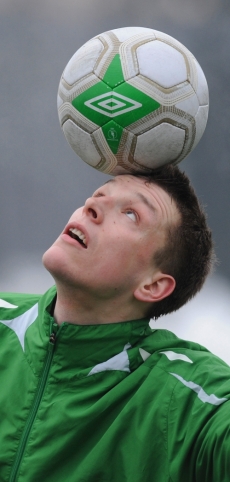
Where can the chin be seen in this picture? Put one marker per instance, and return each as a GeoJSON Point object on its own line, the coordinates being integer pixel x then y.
{"type": "Point", "coordinates": [52, 259]}
{"type": "Point", "coordinates": [57, 264]}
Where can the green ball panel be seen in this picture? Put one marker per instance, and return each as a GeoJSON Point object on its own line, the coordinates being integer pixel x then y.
{"type": "Point", "coordinates": [147, 104]}
{"type": "Point", "coordinates": [87, 103]}
{"type": "Point", "coordinates": [112, 132]}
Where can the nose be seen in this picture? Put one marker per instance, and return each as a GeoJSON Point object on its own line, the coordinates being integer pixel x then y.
{"type": "Point", "coordinates": [94, 209]}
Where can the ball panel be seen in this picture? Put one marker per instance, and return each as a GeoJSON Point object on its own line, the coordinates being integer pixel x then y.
{"type": "Point", "coordinates": [166, 97]}
{"type": "Point", "coordinates": [170, 115]}
{"type": "Point", "coordinates": [188, 56]}
{"type": "Point", "coordinates": [153, 151]}
{"type": "Point", "coordinates": [202, 86]}
{"type": "Point", "coordinates": [189, 105]}
{"type": "Point", "coordinates": [108, 159]}
{"type": "Point", "coordinates": [81, 143]}
{"type": "Point", "coordinates": [125, 155]}
{"type": "Point", "coordinates": [162, 64]}
{"type": "Point", "coordinates": [112, 132]}
{"type": "Point", "coordinates": [137, 104]}
{"type": "Point", "coordinates": [83, 61]}
{"type": "Point", "coordinates": [163, 37]}
{"type": "Point", "coordinates": [110, 49]}
{"type": "Point", "coordinates": [124, 34]}
{"type": "Point", "coordinates": [59, 101]}
{"type": "Point", "coordinates": [89, 103]}
{"type": "Point", "coordinates": [68, 93]}
{"type": "Point", "coordinates": [114, 75]}
{"type": "Point", "coordinates": [67, 111]}
{"type": "Point", "coordinates": [201, 121]}
{"type": "Point", "coordinates": [128, 55]}
{"type": "Point", "coordinates": [119, 170]}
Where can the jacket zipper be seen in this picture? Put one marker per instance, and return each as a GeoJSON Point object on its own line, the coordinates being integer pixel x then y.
{"type": "Point", "coordinates": [55, 330]}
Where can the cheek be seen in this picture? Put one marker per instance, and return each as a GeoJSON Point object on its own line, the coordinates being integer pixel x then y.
{"type": "Point", "coordinates": [125, 259]}
{"type": "Point", "coordinates": [76, 213]}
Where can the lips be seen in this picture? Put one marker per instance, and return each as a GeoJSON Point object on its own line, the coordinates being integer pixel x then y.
{"type": "Point", "coordinates": [77, 234]}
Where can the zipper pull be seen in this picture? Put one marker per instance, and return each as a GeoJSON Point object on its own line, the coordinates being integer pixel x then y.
{"type": "Point", "coordinates": [53, 334]}
{"type": "Point", "coordinates": [52, 338]}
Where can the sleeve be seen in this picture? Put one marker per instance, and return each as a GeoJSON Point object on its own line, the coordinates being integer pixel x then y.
{"type": "Point", "coordinates": [213, 456]}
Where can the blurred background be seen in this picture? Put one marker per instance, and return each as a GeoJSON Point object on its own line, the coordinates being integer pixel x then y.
{"type": "Point", "coordinates": [41, 179]}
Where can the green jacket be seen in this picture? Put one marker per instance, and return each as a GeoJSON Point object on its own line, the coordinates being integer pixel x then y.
{"type": "Point", "coordinates": [110, 403]}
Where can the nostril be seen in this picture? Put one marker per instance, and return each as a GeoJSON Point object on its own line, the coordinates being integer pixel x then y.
{"type": "Point", "coordinates": [94, 214]}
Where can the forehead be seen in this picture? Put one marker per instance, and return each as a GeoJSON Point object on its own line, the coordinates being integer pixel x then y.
{"type": "Point", "coordinates": [155, 198]}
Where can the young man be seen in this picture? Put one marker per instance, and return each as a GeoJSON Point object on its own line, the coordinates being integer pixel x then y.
{"type": "Point", "coordinates": [89, 391]}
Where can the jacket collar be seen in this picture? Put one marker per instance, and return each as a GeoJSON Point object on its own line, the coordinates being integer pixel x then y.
{"type": "Point", "coordinates": [86, 346]}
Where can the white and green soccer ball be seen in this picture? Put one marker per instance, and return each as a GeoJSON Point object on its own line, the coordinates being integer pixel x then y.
{"type": "Point", "coordinates": [132, 99]}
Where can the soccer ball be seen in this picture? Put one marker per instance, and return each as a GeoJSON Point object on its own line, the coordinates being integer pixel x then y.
{"type": "Point", "coordinates": [132, 99]}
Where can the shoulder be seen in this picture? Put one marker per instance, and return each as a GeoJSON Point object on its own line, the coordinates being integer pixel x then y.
{"type": "Point", "coordinates": [181, 352]}
{"type": "Point", "coordinates": [191, 369]}
{"type": "Point", "coordinates": [13, 305]}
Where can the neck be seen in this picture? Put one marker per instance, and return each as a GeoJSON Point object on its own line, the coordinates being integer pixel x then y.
{"type": "Point", "coordinates": [77, 307]}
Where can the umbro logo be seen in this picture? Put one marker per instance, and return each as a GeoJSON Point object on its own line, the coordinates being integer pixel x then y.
{"type": "Point", "coordinates": [112, 104]}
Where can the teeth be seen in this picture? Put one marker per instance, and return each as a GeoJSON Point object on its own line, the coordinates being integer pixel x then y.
{"type": "Point", "coordinates": [79, 234]}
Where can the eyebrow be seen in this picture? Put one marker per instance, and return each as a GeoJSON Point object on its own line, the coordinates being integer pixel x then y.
{"type": "Point", "coordinates": [140, 196]}
{"type": "Point", "coordinates": [146, 201]}
{"type": "Point", "coordinates": [109, 180]}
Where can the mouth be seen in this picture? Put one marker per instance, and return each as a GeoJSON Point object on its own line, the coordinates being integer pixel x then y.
{"type": "Point", "coordinates": [78, 235]}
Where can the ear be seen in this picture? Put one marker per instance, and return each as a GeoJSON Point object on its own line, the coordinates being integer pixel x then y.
{"type": "Point", "coordinates": [161, 286]}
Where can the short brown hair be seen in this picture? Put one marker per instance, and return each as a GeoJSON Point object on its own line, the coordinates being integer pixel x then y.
{"type": "Point", "coordinates": [188, 255]}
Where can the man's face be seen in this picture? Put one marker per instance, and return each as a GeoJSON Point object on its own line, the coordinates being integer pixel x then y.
{"type": "Point", "coordinates": [120, 228]}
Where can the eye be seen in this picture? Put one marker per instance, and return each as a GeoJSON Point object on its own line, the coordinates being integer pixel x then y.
{"type": "Point", "coordinates": [131, 214]}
